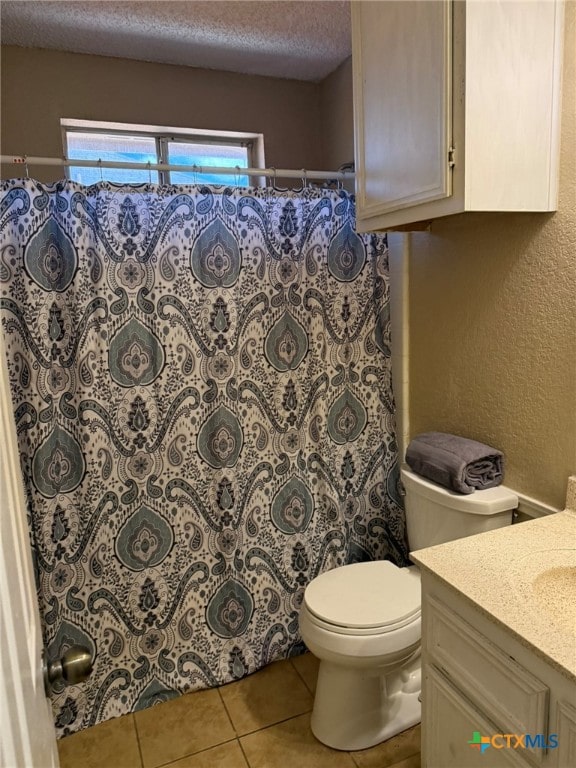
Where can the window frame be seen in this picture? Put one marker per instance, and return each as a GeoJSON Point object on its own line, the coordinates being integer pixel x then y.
{"type": "Point", "coordinates": [163, 135]}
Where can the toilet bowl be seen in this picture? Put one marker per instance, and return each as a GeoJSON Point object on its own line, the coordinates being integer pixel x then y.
{"type": "Point", "coordinates": [362, 621]}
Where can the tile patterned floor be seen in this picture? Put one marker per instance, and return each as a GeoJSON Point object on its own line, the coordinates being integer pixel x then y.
{"type": "Point", "coordinates": [262, 721]}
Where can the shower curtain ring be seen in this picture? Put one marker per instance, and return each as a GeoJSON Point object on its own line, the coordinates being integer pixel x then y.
{"type": "Point", "coordinates": [149, 173]}
{"type": "Point", "coordinates": [100, 166]}
{"type": "Point", "coordinates": [26, 167]}
{"type": "Point", "coordinates": [304, 178]}
{"type": "Point", "coordinates": [195, 174]}
{"type": "Point", "coordinates": [237, 177]}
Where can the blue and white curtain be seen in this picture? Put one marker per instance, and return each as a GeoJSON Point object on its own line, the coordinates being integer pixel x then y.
{"type": "Point", "coordinates": [202, 393]}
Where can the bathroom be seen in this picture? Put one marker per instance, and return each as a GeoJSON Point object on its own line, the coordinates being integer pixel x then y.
{"type": "Point", "coordinates": [484, 303]}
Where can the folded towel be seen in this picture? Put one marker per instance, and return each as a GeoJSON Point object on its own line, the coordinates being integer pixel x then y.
{"type": "Point", "coordinates": [454, 462]}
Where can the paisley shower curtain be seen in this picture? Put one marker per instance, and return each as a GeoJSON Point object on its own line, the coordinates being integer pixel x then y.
{"type": "Point", "coordinates": [202, 393]}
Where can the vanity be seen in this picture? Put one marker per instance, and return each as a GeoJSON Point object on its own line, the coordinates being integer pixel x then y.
{"type": "Point", "coordinates": [499, 647]}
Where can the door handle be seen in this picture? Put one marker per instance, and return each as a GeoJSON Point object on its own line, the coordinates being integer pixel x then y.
{"type": "Point", "coordinates": [74, 667]}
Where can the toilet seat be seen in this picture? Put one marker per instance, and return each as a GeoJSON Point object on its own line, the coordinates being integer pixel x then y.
{"type": "Point", "coordinates": [372, 598]}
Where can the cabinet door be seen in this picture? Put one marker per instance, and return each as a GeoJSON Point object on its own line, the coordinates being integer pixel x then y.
{"type": "Point", "coordinates": [566, 727]}
{"type": "Point", "coordinates": [449, 723]}
{"type": "Point", "coordinates": [402, 62]}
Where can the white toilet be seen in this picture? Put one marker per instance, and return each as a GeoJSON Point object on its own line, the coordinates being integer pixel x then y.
{"type": "Point", "coordinates": [363, 620]}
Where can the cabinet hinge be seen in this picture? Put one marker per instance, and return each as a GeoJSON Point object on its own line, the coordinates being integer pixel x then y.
{"type": "Point", "coordinates": [451, 157]}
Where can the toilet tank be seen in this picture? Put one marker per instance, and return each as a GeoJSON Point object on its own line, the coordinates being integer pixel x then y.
{"type": "Point", "coordinates": [435, 514]}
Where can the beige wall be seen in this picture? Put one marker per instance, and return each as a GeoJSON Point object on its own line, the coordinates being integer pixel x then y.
{"type": "Point", "coordinates": [493, 327]}
{"type": "Point", "coordinates": [337, 118]}
{"type": "Point", "coordinates": [40, 86]}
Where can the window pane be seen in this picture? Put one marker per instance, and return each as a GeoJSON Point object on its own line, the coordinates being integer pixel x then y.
{"type": "Point", "coordinates": [115, 147]}
{"type": "Point", "coordinates": [215, 155]}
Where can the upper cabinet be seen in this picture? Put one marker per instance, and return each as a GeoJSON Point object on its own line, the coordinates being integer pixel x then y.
{"type": "Point", "coordinates": [456, 108]}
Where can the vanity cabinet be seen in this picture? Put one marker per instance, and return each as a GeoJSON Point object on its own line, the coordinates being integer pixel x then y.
{"type": "Point", "coordinates": [479, 680]}
{"type": "Point", "coordinates": [456, 108]}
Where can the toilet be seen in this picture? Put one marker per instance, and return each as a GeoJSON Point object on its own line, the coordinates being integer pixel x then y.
{"type": "Point", "coordinates": [362, 621]}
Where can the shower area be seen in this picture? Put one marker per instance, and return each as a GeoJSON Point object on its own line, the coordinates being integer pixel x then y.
{"type": "Point", "coordinates": [201, 383]}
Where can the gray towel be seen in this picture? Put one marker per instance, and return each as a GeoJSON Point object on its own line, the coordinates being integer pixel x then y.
{"type": "Point", "coordinates": [454, 462]}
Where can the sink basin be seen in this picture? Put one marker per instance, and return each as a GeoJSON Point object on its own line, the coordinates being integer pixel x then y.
{"type": "Point", "coordinates": [546, 581]}
{"type": "Point", "coordinates": [555, 592]}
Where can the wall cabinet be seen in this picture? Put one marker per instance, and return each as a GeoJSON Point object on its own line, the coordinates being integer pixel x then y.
{"type": "Point", "coordinates": [456, 108]}
{"type": "Point", "coordinates": [478, 679]}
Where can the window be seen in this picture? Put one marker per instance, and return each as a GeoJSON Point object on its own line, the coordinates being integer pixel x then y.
{"type": "Point", "coordinates": [121, 142]}
{"type": "Point", "coordinates": [86, 145]}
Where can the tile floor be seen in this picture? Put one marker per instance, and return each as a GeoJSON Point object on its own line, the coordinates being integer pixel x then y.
{"type": "Point", "coordinates": [262, 721]}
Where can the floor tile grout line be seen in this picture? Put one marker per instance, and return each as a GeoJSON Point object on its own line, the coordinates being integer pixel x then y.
{"type": "Point", "coordinates": [396, 763]}
{"type": "Point", "coordinates": [399, 763]}
{"type": "Point", "coordinates": [138, 740]}
{"type": "Point", "coordinates": [229, 716]}
{"type": "Point", "coordinates": [248, 763]}
{"type": "Point", "coordinates": [193, 754]}
{"type": "Point", "coordinates": [310, 691]}
{"type": "Point", "coordinates": [272, 725]}
{"type": "Point", "coordinates": [354, 760]}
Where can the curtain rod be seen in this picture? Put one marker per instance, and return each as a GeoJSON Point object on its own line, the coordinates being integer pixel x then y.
{"type": "Point", "coordinates": [270, 173]}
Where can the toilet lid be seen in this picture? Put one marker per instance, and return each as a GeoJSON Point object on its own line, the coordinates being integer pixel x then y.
{"type": "Point", "coordinates": [375, 595]}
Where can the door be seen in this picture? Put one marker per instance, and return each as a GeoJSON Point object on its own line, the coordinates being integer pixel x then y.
{"type": "Point", "coordinates": [27, 736]}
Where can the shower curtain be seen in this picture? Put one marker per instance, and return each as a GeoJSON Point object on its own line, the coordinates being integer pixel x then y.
{"type": "Point", "coordinates": [202, 393]}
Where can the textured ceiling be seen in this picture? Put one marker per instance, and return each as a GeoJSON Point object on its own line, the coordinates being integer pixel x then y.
{"type": "Point", "coordinates": [304, 40]}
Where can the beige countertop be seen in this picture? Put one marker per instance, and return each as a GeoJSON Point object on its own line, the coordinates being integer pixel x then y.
{"type": "Point", "coordinates": [523, 577]}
